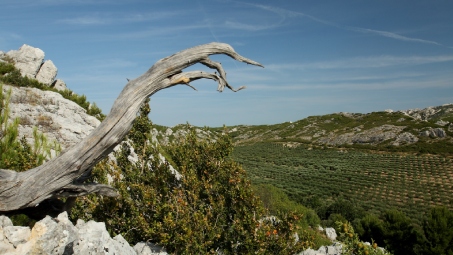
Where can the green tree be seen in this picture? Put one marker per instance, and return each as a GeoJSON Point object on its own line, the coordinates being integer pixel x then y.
{"type": "Point", "coordinates": [400, 234]}
{"type": "Point", "coordinates": [371, 228]}
{"type": "Point", "coordinates": [438, 230]}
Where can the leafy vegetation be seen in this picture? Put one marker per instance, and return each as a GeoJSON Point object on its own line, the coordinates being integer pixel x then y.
{"type": "Point", "coordinates": [211, 207]}
{"type": "Point", "coordinates": [352, 244]}
{"type": "Point", "coordinates": [438, 233]}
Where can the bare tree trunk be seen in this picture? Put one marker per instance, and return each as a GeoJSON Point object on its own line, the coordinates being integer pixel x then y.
{"type": "Point", "coordinates": [19, 191]}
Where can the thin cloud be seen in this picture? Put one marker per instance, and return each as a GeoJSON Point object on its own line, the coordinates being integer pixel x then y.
{"type": "Point", "coordinates": [391, 35]}
{"type": "Point", "coordinates": [356, 86]}
{"type": "Point", "coordinates": [85, 21]}
{"type": "Point", "coordinates": [110, 18]}
{"type": "Point", "coordinates": [157, 31]}
{"type": "Point", "coordinates": [364, 62]}
{"type": "Point", "coordinates": [243, 26]}
{"type": "Point", "coordinates": [292, 14]}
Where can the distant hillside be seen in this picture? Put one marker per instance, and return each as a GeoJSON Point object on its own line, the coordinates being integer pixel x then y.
{"type": "Point", "coordinates": [427, 130]}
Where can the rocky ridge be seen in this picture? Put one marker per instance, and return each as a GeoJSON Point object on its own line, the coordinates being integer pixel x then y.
{"type": "Point", "coordinates": [387, 127]}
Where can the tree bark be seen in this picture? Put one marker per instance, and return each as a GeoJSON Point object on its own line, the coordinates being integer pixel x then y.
{"type": "Point", "coordinates": [58, 177]}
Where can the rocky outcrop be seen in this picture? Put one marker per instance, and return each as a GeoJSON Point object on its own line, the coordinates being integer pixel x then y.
{"type": "Point", "coordinates": [428, 113]}
{"type": "Point", "coordinates": [434, 133]}
{"type": "Point", "coordinates": [60, 119]}
{"type": "Point", "coordinates": [405, 138]}
{"type": "Point", "coordinates": [60, 236]}
{"type": "Point", "coordinates": [371, 136]}
{"type": "Point", "coordinates": [30, 62]}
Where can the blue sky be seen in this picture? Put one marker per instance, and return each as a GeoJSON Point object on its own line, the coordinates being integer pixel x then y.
{"type": "Point", "coordinates": [320, 56]}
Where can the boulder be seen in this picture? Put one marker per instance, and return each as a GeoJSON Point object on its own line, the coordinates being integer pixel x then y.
{"type": "Point", "coordinates": [16, 235]}
{"type": "Point", "coordinates": [47, 73]}
{"type": "Point", "coordinates": [93, 238]}
{"type": "Point", "coordinates": [405, 138]}
{"type": "Point", "coordinates": [59, 85]}
{"type": "Point", "coordinates": [442, 123]}
{"type": "Point", "coordinates": [331, 234]}
{"type": "Point", "coordinates": [434, 133]}
{"type": "Point", "coordinates": [438, 132]}
{"type": "Point", "coordinates": [27, 59]}
{"type": "Point", "coordinates": [334, 249]}
{"type": "Point", "coordinates": [5, 245]}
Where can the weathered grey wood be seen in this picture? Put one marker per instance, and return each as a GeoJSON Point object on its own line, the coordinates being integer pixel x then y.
{"type": "Point", "coordinates": [57, 177]}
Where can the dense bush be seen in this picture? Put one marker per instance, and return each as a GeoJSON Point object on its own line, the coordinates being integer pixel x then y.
{"type": "Point", "coordinates": [211, 207]}
{"type": "Point", "coordinates": [395, 231]}
{"type": "Point", "coordinates": [438, 232]}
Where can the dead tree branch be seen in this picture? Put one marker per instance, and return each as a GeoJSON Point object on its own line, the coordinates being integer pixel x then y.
{"type": "Point", "coordinates": [57, 177]}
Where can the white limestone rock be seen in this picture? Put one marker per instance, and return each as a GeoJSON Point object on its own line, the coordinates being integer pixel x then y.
{"type": "Point", "coordinates": [50, 236]}
{"type": "Point", "coordinates": [27, 59]}
{"type": "Point", "coordinates": [93, 238]}
{"type": "Point", "coordinates": [60, 236]}
{"type": "Point", "coordinates": [58, 118]}
{"type": "Point", "coordinates": [6, 247]}
{"type": "Point", "coordinates": [47, 73]}
{"type": "Point", "coordinates": [434, 133]}
{"type": "Point", "coordinates": [143, 248]}
{"type": "Point", "coordinates": [442, 123]}
{"type": "Point", "coordinates": [59, 85]}
{"type": "Point", "coordinates": [16, 235]}
{"type": "Point", "coordinates": [331, 234]}
{"type": "Point", "coordinates": [405, 138]}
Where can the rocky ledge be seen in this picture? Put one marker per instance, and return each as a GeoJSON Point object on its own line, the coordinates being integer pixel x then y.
{"type": "Point", "coordinates": [60, 236]}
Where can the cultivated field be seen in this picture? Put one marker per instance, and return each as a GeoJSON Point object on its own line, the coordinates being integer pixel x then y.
{"type": "Point", "coordinates": [409, 183]}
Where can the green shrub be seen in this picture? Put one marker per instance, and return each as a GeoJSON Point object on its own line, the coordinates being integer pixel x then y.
{"type": "Point", "coordinates": [371, 228]}
{"type": "Point", "coordinates": [438, 230]}
{"type": "Point", "coordinates": [351, 243]}
{"type": "Point", "coordinates": [212, 207]}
